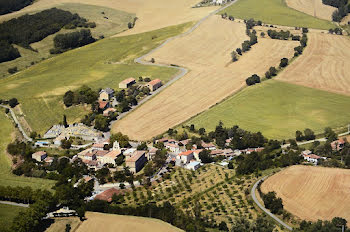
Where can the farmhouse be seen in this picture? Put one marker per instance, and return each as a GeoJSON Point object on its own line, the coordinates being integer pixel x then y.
{"type": "Point", "coordinates": [136, 161]}
{"type": "Point", "coordinates": [108, 111]}
{"type": "Point", "coordinates": [103, 105]}
{"type": "Point", "coordinates": [110, 157]}
{"type": "Point", "coordinates": [127, 83]}
{"type": "Point", "coordinates": [208, 146]}
{"type": "Point", "coordinates": [108, 194]}
{"type": "Point", "coordinates": [338, 144]}
{"type": "Point", "coordinates": [154, 85]}
{"type": "Point", "coordinates": [173, 147]}
{"type": "Point", "coordinates": [39, 156]}
{"type": "Point", "coordinates": [185, 156]}
{"type": "Point", "coordinates": [106, 94]}
{"type": "Point", "coordinates": [312, 158]}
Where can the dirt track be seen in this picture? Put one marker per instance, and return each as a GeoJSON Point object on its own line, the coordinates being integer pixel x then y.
{"type": "Point", "coordinates": [312, 193]}
{"type": "Point", "coordinates": [212, 76]}
{"type": "Point", "coordinates": [152, 14]}
{"type": "Point", "coordinates": [325, 64]}
{"type": "Point", "coordinates": [312, 7]}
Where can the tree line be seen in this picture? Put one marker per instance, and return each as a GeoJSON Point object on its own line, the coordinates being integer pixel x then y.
{"type": "Point", "coordinates": [341, 12]}
{"type": "Point", "coordinates": [7, 6]}
{"type": "Point", "coordinates": [65, 42]}
{"type": "Point", "coordinates": [8, 52]}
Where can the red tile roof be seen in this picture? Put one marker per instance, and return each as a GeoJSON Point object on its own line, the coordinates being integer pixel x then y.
{"type": "Point", "coordinates": [108, 194]}
{"type": "Point", "coordinates": [129, 80]}
{"type": "Point", "coordinates": [186, 153]}
{"type": "Point", "coordinates": [102, 104]}
{"type": "Point", "coordinates": [154, 82]}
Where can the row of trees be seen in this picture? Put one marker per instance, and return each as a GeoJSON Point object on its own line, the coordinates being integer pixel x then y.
{"type": "Point", "coordinates": [8, 52]}
{"type": "Point", "coordinates": [341, 12]}
{"type": "Point", "coordinates": [84, 95]}
{"type": "Point", "coordinates": [13, 5]}
{"type": "Point", "coordinates": [308, 135]}
{"type": "Point", "coordinates": [282, 35]}
{"type": "Point", "coordinates": [335, 3]}
{"type": "Point", "coordinates": [65, 42]}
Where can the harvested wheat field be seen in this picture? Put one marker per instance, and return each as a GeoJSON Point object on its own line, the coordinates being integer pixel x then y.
{"type": "Point", "coordinates": [120, 223]}
{"type": "Point", "coordinates": [325, 64]}
{"type": "Point", "coordinates": [312, 193]}
{"type": "Point", "coordinates": [313, 7]}
{"type": "Point", "coordinates": [212, 75]}
{"type": "Point", "coordinates": [152, 14]}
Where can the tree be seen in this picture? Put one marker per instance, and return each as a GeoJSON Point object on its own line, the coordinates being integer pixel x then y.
{"type": "Point", "coordinates": [101, 123]}
{"type": "Point", "coordinates": [239, 51]}
{"type": "Point", "coordinates": [330, 134]}
{"type": "Point", "coordinates": [234, 56]}
{"type": "Point", "coordinates": [273, 71]}
{"type": "Point", "coordinates": [262, 34]}
{"type": "Point", "coordinates": [201, 131]}
{"type": "Point", "coordinates": [309, 134]}
{"type": "Point", "coordinates": [284, 62]}
{"type": "Point", "coordinates": [65, 124]}
{"type": "Point", "coordinates": [66, 143]}
{"type": "Point", "coordinates": [68, 98]}
{"type": "Point", "coordinates": [192, 127]}
{"type": "Point", "coordinates": [33, 134]}
{"type": "Point", "coordinates": [273, 203]}
{"type": "Point", "coordinates": [68, 228]}
{"type": "Point", "coordinates": [148, 169]}
{"type": "Point", "coordinates": [13, 102]}
{"type": "Point", "coordinates": [299, 136]}
{"type": "Point", "coordinates": [223, 226]}
{"type": "Point", "coordinates": [205, 156]}
{"type": "Point", "coordinates": [142, 147]}
{"type": "Point", "coordinates": [254, 79]}
{"type": "Point", "coordinates": [123, 140]}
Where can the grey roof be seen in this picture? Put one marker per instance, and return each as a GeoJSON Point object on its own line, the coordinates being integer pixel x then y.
{"type": "Point", "coordinates": [107, 90]}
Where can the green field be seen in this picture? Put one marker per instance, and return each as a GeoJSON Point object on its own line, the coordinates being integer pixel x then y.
{"type": "Point", "coordinates": [117, 22]}
{"type": "Point", "coordinates": [278, 109]}
{"type": "Point", "coordinates": [105, 63]}
{"type": "Point", "coordinates": [7, 214]}
{"type": "Point", "coordinates": [6, 177]}
{"type": "Point", "coordinates": [275, 12]}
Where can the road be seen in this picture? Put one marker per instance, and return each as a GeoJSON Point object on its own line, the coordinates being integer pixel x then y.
{"type": "Point", "coordinates": [26, 137]}
{"type": "Point", "coordinates": [14, 204]}
{"type": "Point", "coordinates": [252, 193]}
{"type": "Point", "coordinates": [182, 71]}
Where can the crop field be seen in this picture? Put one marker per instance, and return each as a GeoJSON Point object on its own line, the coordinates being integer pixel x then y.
{"type": "Point", "coordinates": [121, 223]}
{"type": "Point", "coordinates": [278, 109]}
{"type": "Point", "coordinates": [312, 193]}
{"type": "Point", "coordinates": [7, 214]}
{"type": "Point", "coordinates": [117, 21]}
{"type": "Point", "coordinates": [221, 195]}
{"type": "Point", "coordinates": [275, 12]}
{"type": "Point", "coordinates": [312, 7]}
{"type": "Point", "coordinates": [212, 75]}
{"type": "Point", "coordinates": [154, 14]}
{"type": "Point", "coordinates": [60, 224]}
{"type": "Point", "coordinates": [105, 63]}
{"type": "Point", "coordinates": [324, 65]}
{"type": "Point", "coordinates": [6, 177]}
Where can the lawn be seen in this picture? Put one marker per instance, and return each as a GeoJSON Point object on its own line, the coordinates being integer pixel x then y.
{"type": "Point", "coordinates": [275, 12]}
{"type": "Point", "coordinates": [105, 63]}
{"type": "Point", "coordinates": [7, 214]}
{"type": "Point", "coordinates": [6, 177]}
{"type": "Point", "coordinates": [278, 109]}
{"type": "Point", "coordinates": [117, 22]}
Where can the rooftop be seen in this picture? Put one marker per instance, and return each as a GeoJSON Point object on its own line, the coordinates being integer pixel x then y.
{"type": "Point", "coordinates": [154, 82]}
{"type": "Point", "coordinates": [108, 194]}
{"type": "Point", "coordinates": [113, 154]}
{"type": "Point", "coordinates": [39, 153]}
{"type": "Point", "coordinates": [186, 153]}
{"type": "Point", "coordinates": [127, 81]}
{"type": "Point", "coordinates": [136, 156]}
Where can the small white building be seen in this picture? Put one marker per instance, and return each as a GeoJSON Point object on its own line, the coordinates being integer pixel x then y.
{"type": "Point", "coordinates": [193, 165]}
{"type": "Point", "coordinates": [313, 158]}
{"type": "Point", "coordinates": [39, 156]}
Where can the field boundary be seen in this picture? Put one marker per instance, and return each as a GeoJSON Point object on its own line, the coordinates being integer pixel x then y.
{"type": "Point", "coordinates": [252, 193]}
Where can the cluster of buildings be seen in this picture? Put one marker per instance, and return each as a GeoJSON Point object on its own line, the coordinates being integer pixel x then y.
{"type": "Point", "coordinates": [312, 158]}
{"type": "Point", "coordinates": [152, 85]}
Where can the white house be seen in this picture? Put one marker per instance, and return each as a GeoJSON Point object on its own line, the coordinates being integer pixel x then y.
{"type": "Point", "coordinates": [185, 156]}
{"type": "Point", "coordinates": [193, 165]}
{"type": "Point", "coordinates": [313, 158]}
{"type": "Point", "coordinates": [173, 147]}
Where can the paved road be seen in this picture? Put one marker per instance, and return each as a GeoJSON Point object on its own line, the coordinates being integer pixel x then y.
{"type": "Point", "coordinates": [26, 137]}
{"type": "Point", "coordinates": [14, 204]}
{"type": "Point", "coordinates": [311, 141]}
{"type": "Point", "coordinates": [182, 71]}
{"type": "Point", "coordinates": [252, 193]}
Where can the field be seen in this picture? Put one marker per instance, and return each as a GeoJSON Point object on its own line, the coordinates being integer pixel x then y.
{"type": "Point", "coordinates": [212, 75]}
{"type": "Point", "coordinates": [325, 64]}
{"type": "Point", "coordinates": [60, 224]}
{"type": "Point", "coordinates": [6, 177]}
{"type": "Point", "coordinates": [120, 223]}
{"type": "Point", "coordinates": [278, 109]}
{"type": "Point", "coordinates": [221, 195]}
{"type": "Point", "coordinates": [154, 14]}
{"type": "Point", "coordinates": [275, 12]}
{"type": "Point", "coordinates": [313, 7]}
{"type": "Point", "coordinates": [105, 63]}
{"type": "Point", "coordinates": [312, 193]}
{"type": "Point", "coordinates": [117, 21]}
{"type": "Point", "coordinates": [7, 214]}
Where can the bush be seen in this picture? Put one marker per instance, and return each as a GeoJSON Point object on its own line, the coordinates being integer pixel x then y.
{"type": "Point", "coordinates": [13, 102]}
{"type": "Point", "coordinates": [284, 62]}
{"type": "Point", "coordinates": [8, 52]}
{"type": "Point", "coordinates": [12, 70]}
{"type": "Point", "coordinates": [253, 80]}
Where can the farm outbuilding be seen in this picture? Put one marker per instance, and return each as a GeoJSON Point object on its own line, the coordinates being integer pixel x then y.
{"type": "Point", "coordinates": [127, 83]}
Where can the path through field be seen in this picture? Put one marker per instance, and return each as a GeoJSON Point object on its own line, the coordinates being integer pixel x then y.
{"type": "Point", "coordinates": [325, 64]}
{"type": "Point", "coordinates": [152, 14]}
{"type": "Point", "coordinates": [312, 193]}
{"type": "Point", "coordinates": [313, 7]}
{"type": "Point", "coordinates": [212, 75]}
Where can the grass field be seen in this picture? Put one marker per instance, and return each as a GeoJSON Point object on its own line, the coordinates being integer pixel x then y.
{"type": "Point", "coordinates": [117, 22]}
{"type": "Point", "coordinates": [312, 193]}
{"type": "Point", "coordinates": [212, 77]}
{"type": "Point", "coordinates": [121, 223]}
{"type": "Point", "coordinates": [275, 12]}
{"type": "Point", "coordinates": [6, 177]}
{"type": "Point", "coordinates": [105, 63]}
{"type": "Point", "coordinates": [312, 7]}
{"type": "Point", "coordinates": [278, 109]}
{"type": "Point", "coordinates": [60, 224]}
{"type": "Point", "coordinates": [325, 64]}
{"type": "Point", "coordinates": [7, 214]}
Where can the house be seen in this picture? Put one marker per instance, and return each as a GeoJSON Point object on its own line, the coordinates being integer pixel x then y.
{"type": "Point", "coordinates": [48, 160]}
{"type": "Point", "coordinates": [127, 83]}
{"type": "Point", "coordinates": [108, 194]}
{"type": "Point", "coordinates": [185, 142]}
{"type": "Point", "coordinates": [313, 158]}
{"type": "Point", "coordinates": [217, 152]}
{"type": "Point", "coordinates": [196, 153]}
{"type": "Point", "coordinates": [208, 146]}
{"type": "Point", "coordinates": [39, 156]}
{"type": "Point", "coordinates": [100, 154]}
{"type": "Point", "coordinates": [228, 152]}
{"type": "Point", "coordinates": [173, 147]}
{"type": "Point", "coordinates": [129, 152]}
{"type": "Point", "coordinates": [89, 155]}
{"type": "Point", "coordinates": [108, 111]}
{"type": "Point", "coordinates": [185, 156]}
{"type": "Point", "coordinates": [106, 94]}
{"type": "Point", "coordinates": [110, 157]}
{"type": "Point", "coordinates": [152, 152]}
{"type": "Point", "coordinates": [338, 144]}
{"type": "Point", "coordinates": [154, 84]}
{"type": "Point", "coordinates": [136, 161]}
{"type": "Point", "coordinates": [163, 140]}
{"type": "Point", "coordinates": [193, 165]}
{"type": "Point", "coordinates": [103, 105]}
{"type": "Point", "coordinates": [90, 163]}
{"type": "Point", "coordinates": [63, 212]}
{"type": "Point", "coordinates": [98, 146]}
